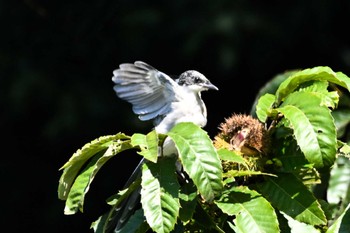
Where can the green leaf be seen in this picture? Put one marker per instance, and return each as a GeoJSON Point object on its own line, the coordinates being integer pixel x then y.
{"type": "Point", "coordinates": [339, 226]}
{"type": "Point", "coordinates": [75, 199]}
{"type": "Point", "coordinates": [160, 194]}
{"type": "Point", "coordinates": [343, 149]}
{"type": "Point", "coordinates": [136, 223]}
{"type": "Point", "coordinates": [290, 195]}
{"type": "Point", "coordinates": [344, 80]}
{"type": "Point", "coordinates": [308, 175]}
{"type": "Point", "coordinates": [253, 212]}
{"type": "Point", "coordinates": [317, 73]}
{"type": "Point", "coordinates": [148, 145]}
{"type": "Point", "coordinates": [98, 225]}
{"type": "Point", "coordinates": [232, 156]}
{"type": "Point", "coordinates": [237, 173]}
{"type": "Point", "coordinates": [199, 158]}
{"type": "Point", "coordinates": [270, 87]}
{"type": "Point", "coordinates": [342, 120]}
{"type": "Point", "coordinates": [81, 156]}
{"type": "Point", "coordinates": [108, 220]}
{"type": "Point", "coordinates": [116, 199]}
{"type": "Point", "coordinates": [80, 187]}
{"type": "Point", "coordinates": [339, 182]}
{"type": "Point", "coordinates": [299, 227]}
{"type": "Point", "coordinates": [313, 126]}
{"type": "Point", "coordinates": [345, 221]}
{"type": "Point", "coordinates": [320, 88]}
{"type": "Point", "coordinates": [124, 198]}
{"type": "Point", "coordinates": [203, 220]}
{"type": "Point", "coordinates": [188, 201]}
{"type": "Point", "coordinates": [264, 105]}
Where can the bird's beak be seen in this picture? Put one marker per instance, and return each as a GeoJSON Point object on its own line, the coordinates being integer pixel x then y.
{"type": "Point", "coordinates": [211, 86]}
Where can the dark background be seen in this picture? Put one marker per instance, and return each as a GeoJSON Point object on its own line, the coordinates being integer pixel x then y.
{"type": "Point", "coordinates": [56, 63]}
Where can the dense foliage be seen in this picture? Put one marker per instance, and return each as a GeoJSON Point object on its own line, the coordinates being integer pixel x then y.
{"type": "Point", "coordinates": [291, 175]}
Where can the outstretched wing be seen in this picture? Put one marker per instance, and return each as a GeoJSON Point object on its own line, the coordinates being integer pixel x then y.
{"type": "Point", "coordinates": [148, 90]}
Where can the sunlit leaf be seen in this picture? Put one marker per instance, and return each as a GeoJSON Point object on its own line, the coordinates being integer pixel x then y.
{"type": "Point", "coordinates": [288, 194]}
{"type": "Point", "coordinates": [339, 182]}
{"type": "Point", "coordinates": [199, 158]}
{"type": "Point", "coordinates": [265, 103]}
{"type": "Point", "coordinates": [344, 149]}
{"type": "Point", "coordinates": [341, 225]}
{"type": "Point", "coordinates": [342, 120]}
{"type": "Point", "coordinates": [320, 87]}
{"type": "Point", "coordinates": [80, 187]}
{"type": "Point", "coordinates": [299, 227]}
{"type": "Point", "coordinates": [238, 173]}
{"type": "Point", "coordinates": [98, 225]}
{"type": "Point", "coordinates": [81, 156]}
{"type": "Point", "coordinates": [317, 73]}
{"type": "Point", "coordinates": [160, 194]}
{"type": "Point", "coordinates": [253, 213]}
{"type": "Point", "coordinates": [232, 156]}
{"type": "Point", "coordinates": [270, 88]}
{"type": "Point", "coordinates": [313, 127]}
{"type": "Point", "coordinates": [148, 145]}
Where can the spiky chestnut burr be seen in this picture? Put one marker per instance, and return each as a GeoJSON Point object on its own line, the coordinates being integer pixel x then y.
{"type": "Point", "coordinates": [247, 135]}
{"type": "Point", "coordinates": [243, 133]}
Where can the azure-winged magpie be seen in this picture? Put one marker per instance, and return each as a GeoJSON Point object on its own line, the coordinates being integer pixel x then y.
{"type": "Point", "coordinates": [156, 96]}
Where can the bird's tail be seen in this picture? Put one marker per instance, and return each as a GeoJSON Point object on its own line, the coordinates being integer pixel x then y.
{"type": "Point", "coordinates": [127, 208]}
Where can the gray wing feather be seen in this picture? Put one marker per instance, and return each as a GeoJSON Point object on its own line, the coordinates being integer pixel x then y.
{"type": "Point", "coordinates": [148, 90]}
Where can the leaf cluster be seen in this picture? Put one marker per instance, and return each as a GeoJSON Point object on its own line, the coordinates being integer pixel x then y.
{"type": "Point", "coordinates": [302, 184]}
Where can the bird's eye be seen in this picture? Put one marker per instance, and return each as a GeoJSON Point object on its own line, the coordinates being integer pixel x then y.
{"type": "Point", "coordinates": [197, 79]}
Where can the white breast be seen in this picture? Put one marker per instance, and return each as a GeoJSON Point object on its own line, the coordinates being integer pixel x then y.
{"type": "Point", "coordinates": [188, 108]}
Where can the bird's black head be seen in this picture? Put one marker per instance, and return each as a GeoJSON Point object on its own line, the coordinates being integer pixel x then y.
{"type": "Point", "coordinates": [194, 79]}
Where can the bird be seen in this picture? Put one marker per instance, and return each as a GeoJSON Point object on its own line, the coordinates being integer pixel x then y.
{"type": "Point", "coordinates": [164, 100]}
